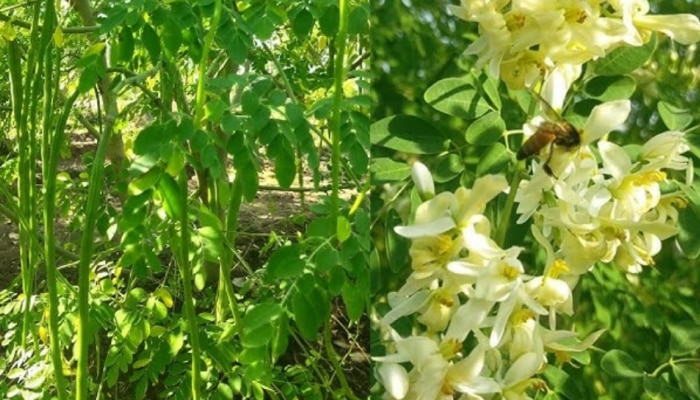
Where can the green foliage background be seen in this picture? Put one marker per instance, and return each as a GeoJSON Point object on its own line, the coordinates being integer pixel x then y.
{"type": "Point", "coordinates": [223, 91]}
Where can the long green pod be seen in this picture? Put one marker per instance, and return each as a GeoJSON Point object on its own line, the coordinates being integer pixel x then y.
{"type": "Point", "coordinates": [86, 252]}
{"type": "Point", "coordinates": [18, 110]}
{"type": "Point", "coordinates": [225, 285]}
{"type": "Point", "coordinates": [50, 146]}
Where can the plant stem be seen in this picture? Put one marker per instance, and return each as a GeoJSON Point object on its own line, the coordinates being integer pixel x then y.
{"type": "Point", "coordinates": [22, 99]}
{"type": "Point", "coordinates": [333, 358]}
{"type": "Point", "coordinates": [186, 274]}
{"type": "Point", "coordinates": [226, 289]}
{"type": "Point", "coordinates": [339, 70]}
{"type": "Point", "coordinates": [184, 257]}
{"type": "Point", "coordinates": [86, 248]}
{"type": "Point", "coordinates": [508, 210]}
{"type": "Point", "coordinates": [50, 148]}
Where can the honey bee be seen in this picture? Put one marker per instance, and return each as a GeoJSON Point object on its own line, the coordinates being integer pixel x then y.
{"type": "Point", "coordinates": [557, 132]}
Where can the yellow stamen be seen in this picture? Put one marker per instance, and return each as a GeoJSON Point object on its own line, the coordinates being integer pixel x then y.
{"type": "Point", "coordinates": [450, 348]}
{"type": "Point", "coordinates": [557, 268]}
{"type": "Point", "coordinates": [521, 316]}
{"type": "Point", "coordinates": [511, 273]}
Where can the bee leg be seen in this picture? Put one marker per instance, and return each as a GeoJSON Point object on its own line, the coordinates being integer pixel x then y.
{"type": "Point", "coordinates": [549, 172]}
{"type": "Point", "coordinates": [546, 166]}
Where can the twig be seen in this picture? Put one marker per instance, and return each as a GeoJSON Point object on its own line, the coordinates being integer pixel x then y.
{"type": "Point", "coordinates": [70, 30]}
{"type": "Point", "coordinates": [298, 189]}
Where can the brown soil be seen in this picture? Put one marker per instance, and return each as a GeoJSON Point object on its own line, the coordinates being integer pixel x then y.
{"type": "Point", "coordinates": [9, 253]}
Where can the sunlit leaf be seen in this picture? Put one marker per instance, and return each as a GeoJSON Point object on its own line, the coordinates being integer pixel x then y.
{"type": "Point", "coordinates": [387, 170]}
{"type": "Point", "coordinates": [224, 390]}
{"type": "Point", "coordinates": [620, 364]}
{"type": "Point", "coordinates": [145, 181]}
{"type": "Point", "coordinates": [625, 59]}
{"type": "Point", "coordinates": [688, 377]}
{"type": "Point", "coordinates": [674, 118]}
{"type": "Point", "coordinates": [685, 336]}
{"type": "Point", "coordinates": [170, 191]}
{"type": "Point", "coordinates": [495, 160]}
{"type": "Point", "coordinates": [258, 336]}
{"type": "Point", "coordinates": [261, 314]}
{"type": "Point", "coordinates": [286, 262]}
{"type": "Point", "coordinates": [610, 88]}
{"type": "Point", "coordinates": [486, 130]}
{"type": "Point", "coordinates": [140, 363]}
{"type": "Point", "coordinates": [408, 134]}
{"type": "Point", "coordinates": [343, 228]}
{"type": "Point", "coordinates": [456, 97]}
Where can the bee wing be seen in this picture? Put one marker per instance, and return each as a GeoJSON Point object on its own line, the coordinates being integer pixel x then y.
{"type": "Point", "coordinates": [547, 109]}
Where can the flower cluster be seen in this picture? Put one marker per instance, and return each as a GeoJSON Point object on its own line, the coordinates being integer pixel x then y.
{"type": "Point", "coordinates": [523, 40]}
{"type": "Point", "coordinates": [608, 210]}
{"type": "Point", "coordinates": [464, 288]}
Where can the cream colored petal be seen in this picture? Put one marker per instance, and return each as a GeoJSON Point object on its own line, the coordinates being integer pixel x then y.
{"type": "Point", "coordinates": [604, 118]}
{"type": "Point", "coordinates": [682, 28]}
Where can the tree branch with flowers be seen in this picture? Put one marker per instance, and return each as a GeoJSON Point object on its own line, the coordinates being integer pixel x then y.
{"type": "Point", "coordinates": [500, 255]}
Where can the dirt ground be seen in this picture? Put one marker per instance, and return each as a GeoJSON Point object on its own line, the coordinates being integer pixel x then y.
{"type": "Point", "coordinates": [9, 252]}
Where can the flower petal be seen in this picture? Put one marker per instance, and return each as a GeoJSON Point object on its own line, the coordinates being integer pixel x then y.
{"type": "Point", "coordinates": [615, 159]}
{"type": "Point", "coordinates": [467, 318]}
{"type": "Point", "coordinates": [405, 306]}
{"type": "Point", "coordinates": [683, 28]}
{"type": "Point", "coordinates": [394, 378]}
{"type": "Point", "coordinates": [432, 228]}
{"type": "Point", "coordinates": [605, 118]}
{"type": "Point", "coordinates": [523, 368]}
{"type": "Point", "coordinates": [423, 180]}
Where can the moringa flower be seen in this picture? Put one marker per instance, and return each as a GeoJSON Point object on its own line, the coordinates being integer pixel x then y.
{"type": "Point", "coordinates": [423, 180]}
{"type": "Point", "coordinates": [524, 41]}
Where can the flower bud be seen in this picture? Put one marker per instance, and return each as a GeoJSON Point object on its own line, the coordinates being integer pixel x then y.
{"type": "Point", "coordinates": [423, 180]}
{"type": "Point", "coordinates": [394, 378]}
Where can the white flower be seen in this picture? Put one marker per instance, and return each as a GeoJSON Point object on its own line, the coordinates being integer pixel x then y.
{"type": "Point", "coordinates": [551, 292]}
{"type": "Point", "coordinates": [576, 168]}
{"type": "Point", "coordinates": [612, 213]}
{"type": "Point", "coordinates": [423, 180]}
{"type": "Point", "coordinates": [683, 28]}
{"type": "Point", "coordinates": [664, 151]}
{"type": "Point", "coordinates": [453, 210]}
{"type": "Point", "coordinates": [435, 374]}
{"type": "Point", "coordinates": [523, 41]}
{"type": "Point", "coordinates": [518, 378]}
{"type": "Point", "coordinates": [394, 378]}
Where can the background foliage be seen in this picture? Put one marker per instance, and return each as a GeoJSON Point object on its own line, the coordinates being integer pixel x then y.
{"type": "Point", "coordinates": [198, 107]}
